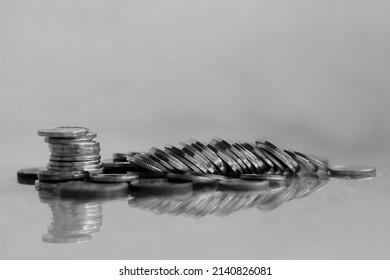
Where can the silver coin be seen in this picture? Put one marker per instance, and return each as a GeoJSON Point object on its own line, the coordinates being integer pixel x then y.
{"type": "Point", "coordinates": [75, 158]}
{"type": "Point", "coordinates": [178, 154]}
{"type": "Point", "coordinates": [50, 175]}
{"type": "Point", "coordinates": [74, 152]}
{"type": "Point", "coordinates": [303, 160]}
{"type": "Point", "coordinates": [282, 156]}
{"type": "Point", "coordinates": [220, 144]}
{"type": "Point", "coordinates": [74, 168]}
{"type": "Point", "coordinates": [76, 146]}
{"type": "Point", "coordinates": [85, 138]}
{"type": "Point", "coordinates": [236, 155]}
{"type": "Point", "coordinates": [113, 178]}
{"type": "Point", "coordinates": [268, 164]}
{"type": "Point", "coordinates": [210, 155]}
{"type": "Point", "coordinates": [258, 166]}
{"type": "Point", "coordinates": [234, 168]}
{"type": "Point", "coordinates": [278, 167]}
{"type": "Point", "coordinates": [147, 165]}
{"type": "Point", "coordinates": [108, 163]}
{"type": "Point", "coordinates": [352, 171]}
{"type": "Point", "coordinates": [173, 161]}
{"type": "Point", "coordinates": [197, 180]}
{"type": "Point", "coordinates": [189, 160]}
{"type": "Point", "coordinates": [198, 156]}
{"type": "Point", "coordinates": [313, 160]}
{"type": "Point", "coordinates": [157, 159]}
{"type": "Point", "coordinates": [63, 131]}
{"type": "Point", "coordinates": [73, 163]}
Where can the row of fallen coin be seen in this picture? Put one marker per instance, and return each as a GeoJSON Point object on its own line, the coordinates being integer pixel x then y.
{"type": "Point", "coordinates": [233, 159]}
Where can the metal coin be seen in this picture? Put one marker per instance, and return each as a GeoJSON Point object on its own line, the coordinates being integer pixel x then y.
{"type": "Point", "coordinates": [210, 155]}
{"type": "Point", "coordinates": [352, 171]}
{"type": "Point", "coordinates": [278, 167]}
{"type": "Point", "coordinates": [113, 178]}
{"type": "Point", "coordinates": [189, 160]}
{"type": "Point", "coordinates": [146, 165]}
{"type": "Point", "coordinates": [159, 186]}
{"type": "Point", "coordinates": [220, 144]}
{"type": "Point", "coordinates": [63, 131]}
{"type": "Point", "coordinates": [313, 160]}
{"type": "Point", "coordinates": [173, 161]}
{"type": "Point", "coordinates": [74, 152]}
{"type": "Point", "coordinates": [178, 154]}
{"type": "Point", "coordinates": [85, 138]}
{"type": "Point", "coordinates": [259, 155]}
{"type": "Point", "coordinates": [303, 160]}
{"type": "Point", "coordinates": [76, 146]}
{"type": "Point", "coordinates": [283, 157]}
{"type": "Point", "coordinates": [74, 163]}
{"type": "Point", "coordinates": [234, 168]}
{"type": "Point", "coordinates": [28, 175]}
{"type": "Point", "coordinates": [236, 155]}
{"type": "Point", "coordinates": [198, 156]}
{"type": "Point", "coordinates": [258, 166]}
{"type": "Point", "coordinates": [53, 176]}
{"type": "Point", "coordinates": [74, 168]}
{"type": "Point", "coordinates": [75, 158]}
{"type": "Point", "coordinates": [157, 159]}
{"type": "Point", "coordinates": [108, 163]}
{"type": "Point", "coordinates": [269, 177]}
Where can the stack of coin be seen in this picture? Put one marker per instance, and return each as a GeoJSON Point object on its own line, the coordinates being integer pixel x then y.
{"type": "Point", "coordinates": [73, 154]}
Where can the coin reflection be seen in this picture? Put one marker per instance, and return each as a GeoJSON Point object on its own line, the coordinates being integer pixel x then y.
{"type": "Point", "coordinates": [73, 221]}
{"type": "Point", "coordinates": [220, 202]}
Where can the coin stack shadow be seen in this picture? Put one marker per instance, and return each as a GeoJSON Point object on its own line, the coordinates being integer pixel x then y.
{"type": "Point", "coordinates": [72, 158]}
{"type": "Point", "coordinates": [73, 221]}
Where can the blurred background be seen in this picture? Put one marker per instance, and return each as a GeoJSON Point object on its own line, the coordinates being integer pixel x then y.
{"type": "Point", "coordinates": [309, 75]}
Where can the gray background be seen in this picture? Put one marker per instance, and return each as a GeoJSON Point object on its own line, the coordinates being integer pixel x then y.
{"type": "Point", "coordinates": [308, 75]}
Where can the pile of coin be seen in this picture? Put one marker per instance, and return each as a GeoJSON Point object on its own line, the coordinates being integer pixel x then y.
{"type": "Point", "coordinates": [74, 154]}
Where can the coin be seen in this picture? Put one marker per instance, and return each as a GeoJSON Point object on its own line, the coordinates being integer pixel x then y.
{"type": "Point", "coordinates": [73, 163]}
{"type": "Point", "coordinates": [303, 160]}
{"type": "Point", "coordinates": [198, 156]}
{"type": "Point", "coordinates": [210, 155]}
{"type": "Point", "coordinates": [258, 166]}
{"type": "Point", "coordinates": [223, 146]}
{"type": "Point", "coordinates": [85, 138]}
{"type": "Point", "coordinates": [233, 168]}
{"type": "Point", "coordinates": [74, 168]}
{"type": "Point", "coordinates": [53, 176]}
{"type": "Point", "coordinates": [236, 155]}
{"type": "Point", "coordinates": [159, 186]}
{"type": "Point", "coordinates": [179, 155]}
{"type": "Point", "coordinates": [173, 161]}
{"type": "Point", "coordinates": [113, 178]}
{"type": "Point", "coordinates": [28, 175]}
{"type": "Point", "coordinates": [282, 156]}
{"type": "Point", "coordinates": [157, 159]}
{"type": "Point", "coordinates": [63, 131]}
{"type": "Point", "coordinates": [146, 165]}
{"type": "Point", "coordinates": [352, 171]}
{"type": "Point", "coordinates": [75, 158]}
{"type": "Point", "coordinates": [189, 160]}
{"type": "Point", "coordinates": [313, 160]}
{"type": "Point", "coordinates": [278, 167]}
{"type": "Point", "coordinates": [268, 164]}
{"type": "Point", "coordinates": [75, 146]}
{"type": "Point", "coordinates": [74, 152]}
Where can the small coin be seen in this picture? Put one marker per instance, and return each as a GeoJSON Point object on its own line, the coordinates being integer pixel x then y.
{"type": "Point", "coordinates": [76, 146]}
{"type": "Point", "coordinates": [225, 148]}
{"type": "Point", "coordinates": [269, 177]}
{"type": "Point", "coordinates": [278, 167]}
{"type": "Point", "coordinates": [236, 155]}
{"type": "Point", "coordinates": [74, 163]}
{"type": "Point", "coordinates": [28, 175]}
{"type": "Point", "coordinates": [303, 160]}
{"type": "Point", "coordinates": [198, 156]}
{"type": "Point", "coordinates": [282, 156]}
{"type": "Point", "coordinates": [74, 152]}
{"type": "Point", "coordinates": [113, 178]}
{"type": "Point", "coordinates": [161, 162]}
{"type": "Point", "coordinates": [268, 164]}
{"type": "Point", "coordinates": [174, 162]}
{"type": "Point", "coordinates": [109, 163]}
{"type": "Point", "coordinates": [74, 158]}
{"type": "Point", "coordinates": [152, 161]}
{"type": "Point", "coordinates": [353, 171]}
{"type": "Point", "coordinates": [159, 186]}
{"type": "Point", "coordinates": [186, 159]}
{"type": "Point", "coordinates": [63, 131]}
{"type": "Point", "coordinates": [233, 168]}
{"type": "Point", "coordinates": [45, 175]}
{"type": "Point", "coordinates": [257, 166]}
{"type": "Point", "coordinates": [74, 168]}
{"type": "Point", "coordinates": [146, 165]}
{"type": "Point", "coordinates": [85, 138]}
{"type": "Point", "coordinates": [313, 160]}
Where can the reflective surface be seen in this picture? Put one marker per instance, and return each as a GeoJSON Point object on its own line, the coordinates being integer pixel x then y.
{"type": "Point", "coordinates": [318, 218]}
